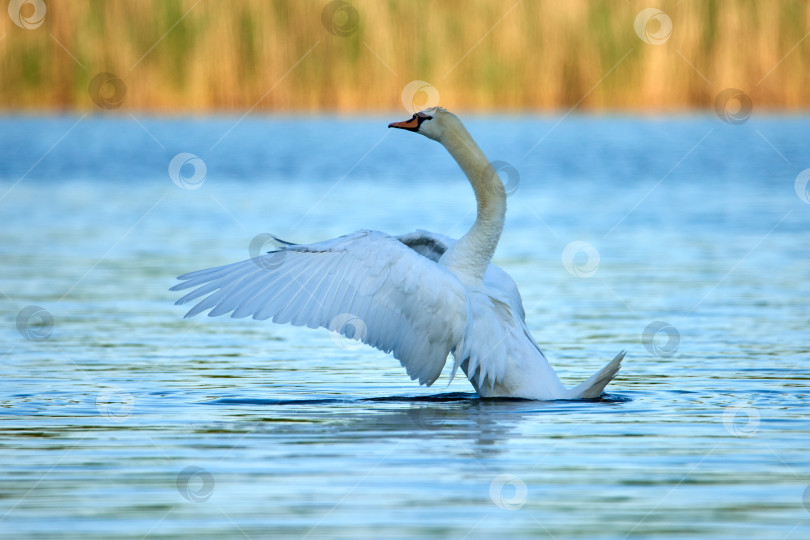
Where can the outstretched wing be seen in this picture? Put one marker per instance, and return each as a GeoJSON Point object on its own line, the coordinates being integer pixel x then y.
{"type": "Point", "coordinates": [367, 286]}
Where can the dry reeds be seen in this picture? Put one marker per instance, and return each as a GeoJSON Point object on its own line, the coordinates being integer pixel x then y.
{"type": "Point", "coordinates": [309, 55]}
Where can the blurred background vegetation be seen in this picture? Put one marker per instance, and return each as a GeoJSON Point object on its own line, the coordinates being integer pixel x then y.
{"type": "Point", "coordinates": [310, 55]}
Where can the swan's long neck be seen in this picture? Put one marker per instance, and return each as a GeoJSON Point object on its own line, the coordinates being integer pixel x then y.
{"type": "Point", "coordinates": [471, 255]}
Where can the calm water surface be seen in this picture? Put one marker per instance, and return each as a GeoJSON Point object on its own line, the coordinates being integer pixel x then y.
{"type": "Point", "coordinates": [127, 421]}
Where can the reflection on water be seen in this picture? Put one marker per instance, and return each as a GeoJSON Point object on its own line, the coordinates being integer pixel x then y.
{"type": "Point", "coordinates": [119, 418]}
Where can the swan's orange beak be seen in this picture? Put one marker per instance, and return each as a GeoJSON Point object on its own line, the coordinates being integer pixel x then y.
{"type": "Point", "coordinates": [412, 124]}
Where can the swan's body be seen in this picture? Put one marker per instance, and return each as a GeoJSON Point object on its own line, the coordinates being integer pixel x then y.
{"type": "Point", "coordinates": [421, 296]}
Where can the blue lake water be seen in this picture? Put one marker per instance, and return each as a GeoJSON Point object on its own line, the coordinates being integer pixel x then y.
{"type": "Point", "coordinates": [123, 420]}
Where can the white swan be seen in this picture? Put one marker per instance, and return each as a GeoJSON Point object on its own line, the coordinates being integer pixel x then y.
{"type": "Point", "coordinates": [420, 296]}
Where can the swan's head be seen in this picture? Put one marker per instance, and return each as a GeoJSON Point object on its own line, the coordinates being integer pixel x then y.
{"type": "Point", "coordinates": [433, 123]}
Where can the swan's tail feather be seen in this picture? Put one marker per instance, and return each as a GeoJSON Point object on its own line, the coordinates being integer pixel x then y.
{"type": "Point", "coordinates": [592, 388]}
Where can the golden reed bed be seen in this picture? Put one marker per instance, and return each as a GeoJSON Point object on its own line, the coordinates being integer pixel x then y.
{"type": "Point", "coordinates": [311, 55]}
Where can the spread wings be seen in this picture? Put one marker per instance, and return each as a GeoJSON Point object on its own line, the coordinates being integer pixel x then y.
{"type": "Point", "coordinates": [367, 286]}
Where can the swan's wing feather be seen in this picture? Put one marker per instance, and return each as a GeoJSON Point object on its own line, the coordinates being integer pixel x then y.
{"type": "Point", "coordinates": [367, 286]}
{"type": "Point", "coordinates": [496, 278]}
{"type": "Point", "coordinates": [426, 243]}
{"type": "Point", "coordinates": [433, 245]}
